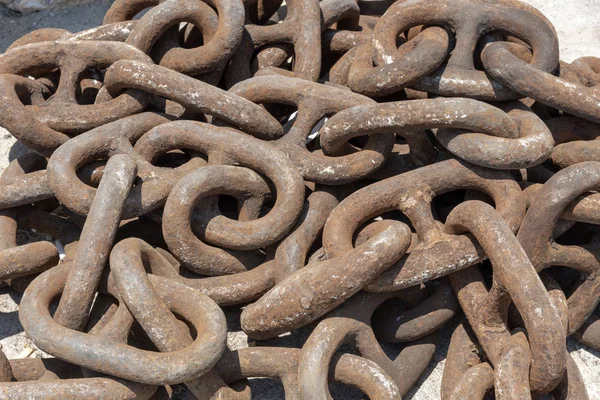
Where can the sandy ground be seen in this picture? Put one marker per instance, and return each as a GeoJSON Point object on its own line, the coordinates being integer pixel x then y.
{"type": "Point", "coordinates": [578, 28]}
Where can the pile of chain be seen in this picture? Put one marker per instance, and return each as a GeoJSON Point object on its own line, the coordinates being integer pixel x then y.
{"type": "Point", "coordinates": [358, 173]}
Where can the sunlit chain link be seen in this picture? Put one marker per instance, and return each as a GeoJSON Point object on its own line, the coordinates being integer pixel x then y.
{"type": "Point", "coordinates": [515, 139]}
{"type": "Point", "coordinates": [314, 290]}
{"type": "Point", "coordinates": [537, 237]}
{"type": "Point", "coordinates": [46, 124]}
{"type": "Point", "coordinates": [577, 99]}
{"type": "Point", "coordinates": [301, 28]}
{"type": "Point", "coordinates": [486, 311]}
{"type": "Point", "coordinates": [246, 286]}
{"type": "Point", "coordinates": [314, 102]}
{"type": "Point", "coordinates": [470, 20]}
{"type": "Point", "coordinates": [436, 253]}
{"type": "Point", "coordinates": [96, 241]}
{"type": "Point", "coordinates": [31, 258]}
{"type": "Point", "coordinates": [122, 360]}
{"type": "Point", "coordinates": [351, 322]}
{"type": "Point", "coordinates": [300, 177]}
{"type": "Point", "coordinates": [575, 140]}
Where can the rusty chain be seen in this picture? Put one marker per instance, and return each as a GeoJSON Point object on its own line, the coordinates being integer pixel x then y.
{"type": "Point", "coordinates": [318, 175]}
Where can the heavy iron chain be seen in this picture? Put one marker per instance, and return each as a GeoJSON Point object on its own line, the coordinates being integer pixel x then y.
{"type": "Point", "coordinates": [353, 173]}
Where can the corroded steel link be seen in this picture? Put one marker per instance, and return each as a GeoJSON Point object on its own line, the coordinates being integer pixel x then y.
{"type": "Point", "coordinates": [188, 193]}
{"type": "Point", "coordinates": [536, 235]}
{"type": "Point", "coordinates": [289, 257]}
{"type": "Point", "coordinates": [320, 287]}
{"type": "Point", "coordinates": [463, 356]}
{"type": "Point", "coordinates": [320, 347]}
{"type": "Point", "coordinates": [118, 326]}
{"type": "Point", "coordinates": [261, 11]}
{"type": "Point", "coordinates": [117, 31]}
{"type": "Point", "coordinates": [475, 383]}
{"type": "Point", "coordinates": [30, 258]}
{"type": "Point", "coordinates": [575, 140]}
{"type": "Point", "coordinates": [501, 63]}
{"type": "Point", "coordinates": [512, 370]}
{"type": "Point", "coordinates": [17, 119]}
{"type": "Point", "coordinates": [244, 150]}
{"type": "Point", "coordinates": [517, 139]}
{"type": "Point", "coordinates": [103, 143]}
{"type": "Point", "coordinates": [532, 147]}
{"type": "Point", "coordinates": [426, 317]}
{"type": "Point", "coordinates": [109, 319]}
{"type": "Point", "coordinates": [338, 73]}
{"type": "Point", "coordinates": [282, 364]}
{"type": "Point", "coordinates": [40, 35]}
{"type": "Point", "coordinates": [223, 231]}
{"type": "Point", "coordinates": [465, 376]}
{"type": "Point", "coordinates": [392, 116]}
{"type": "Point", "coordinates": [301, 27]}
{"type": "Point", "coordinates": [272, 56]}
{"type": "Point", "coordinates": [292, 252]}
{"type": "Point", "coordinates": [225, 290]}
{"type": "Point", "coordinates": [345, 173]}
{"type": "Point", "coordinates": [270, 362]}
{"type": "Point", "coordinates": [213, 54]}
{"type": "Point", "coordinates": [193, 94]}
{"type": "Point", "coordinates": [117, 359]}
{"type": "Point", "coordinates": [571, 386]}
{"type": "Point", "coordinates": [575, 152]}
{"type": "Point", "coordinates": [125, 10]}
{"type": "Point", "coordinates": [402, 159]}
{"type": "Point", "coordinates": [340, 40]}
{"type": "Point", "coordinates": [437, 253]}
{"type": "Point", "coordinates": [36, 369]}
{"type": "Point", "coordinates": [339, 48]}
{"type": "Point", "coordinates": [406, 369]}
{"type": "Point", "coordinates": [589, 332]}
{"type": "Point", "coordinates": [470, 20]}
{"type": "Point", "coordinates": [249, 189]}
{"type": "Point", "coordinates": [579, 73]}
{"type": "Point", "coordinates": [344, 13]}
{"type": "Point", "coordinates": [74, 389]}
{"type": "Point", "coordinates": [39, 379]}
{"type": "Point", "coordinates": [96, 241]}
{"type": "Point", "coordinates": [583, 208]}
{"type": "Point", "coordinates": [61, 112]}
{"type": "Point", "coordinates": [315, 101]}
{"type": "Point", "coordinates": [516, 280]}
{"type": "Point", "coordinates": [588, 70]}
{"type": "Point", "coordinates": [426, 51]}
{"type": "Point", "coordinates": [593, 63]}
{"type": "Point", "coordinates": [155, 317]}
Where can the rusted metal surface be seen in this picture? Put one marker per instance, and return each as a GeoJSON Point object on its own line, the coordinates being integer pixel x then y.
{"type": "Point", "coordinates": [294, 165]}
{"type": "Point", "coordinates": [574, 98]}
{"type": "Point", "coordinates": [301, 28]}
{"type": "Point", "coordinates": [470, 20]}
{"type": "Point", "coordinates": [537, 236]}
{"type": "Point", "coordinates": [45, 124]}
{"type": "Point", "coordinates": [485, 310]}
{"type": "Point", "coordinates": [314, 102]}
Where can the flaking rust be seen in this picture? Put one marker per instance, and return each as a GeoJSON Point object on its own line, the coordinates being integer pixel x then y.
{"type": "Point", "coordinates": [353, 173]}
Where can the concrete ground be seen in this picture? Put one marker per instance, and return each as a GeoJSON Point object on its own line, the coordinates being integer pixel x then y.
{"type": "Point", "coordinates": [578, 28]}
